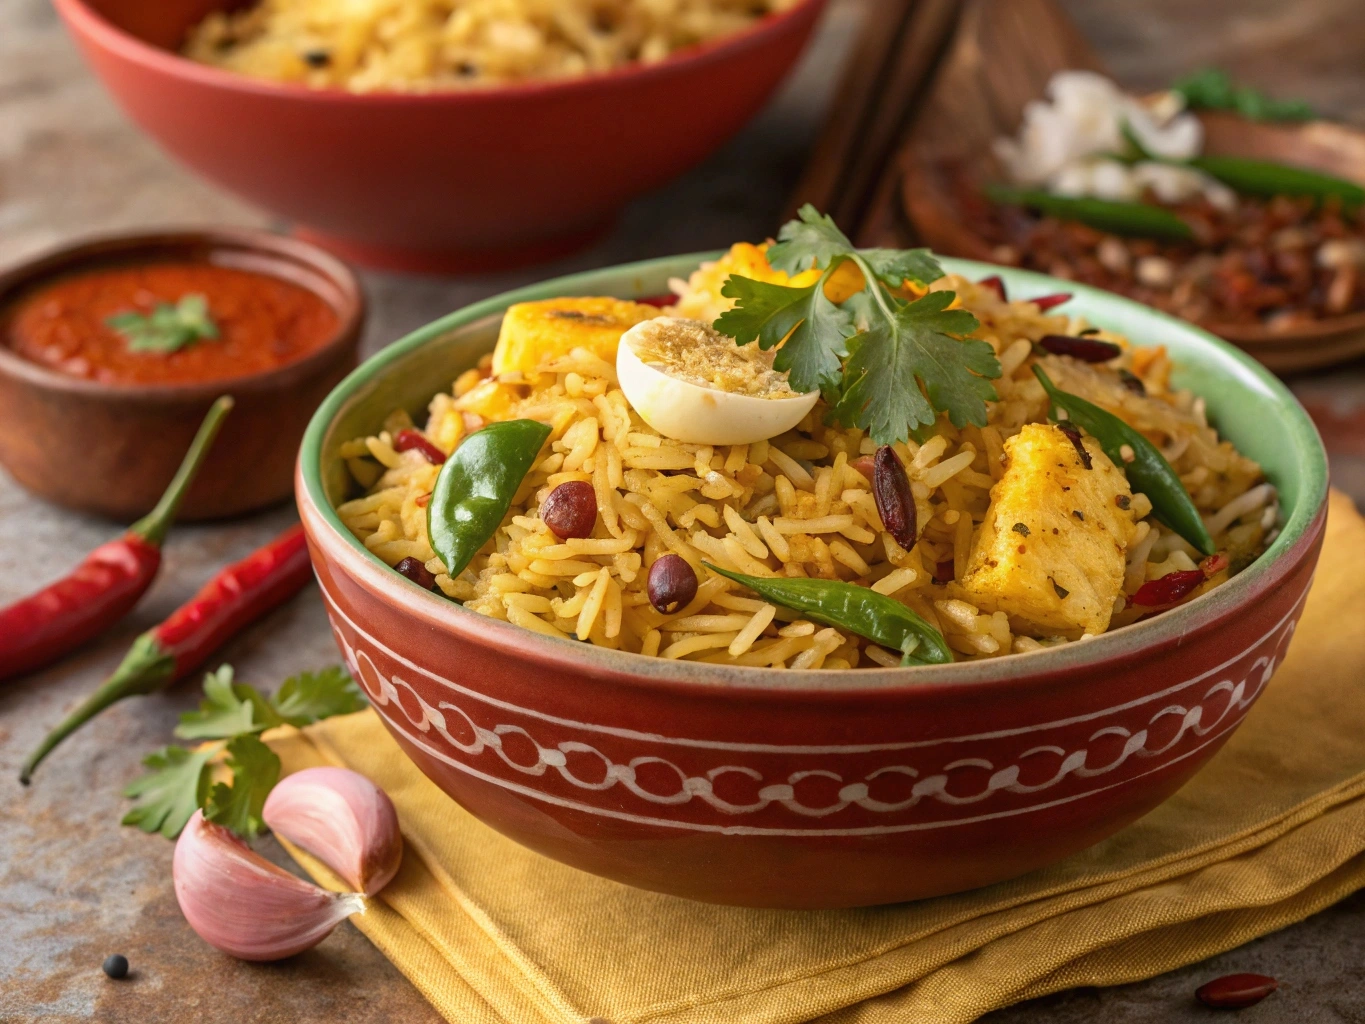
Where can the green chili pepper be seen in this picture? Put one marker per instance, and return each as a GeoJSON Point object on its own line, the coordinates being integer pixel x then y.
{"type": "Point", "coordinates": [1149, 472]}
{"type": "Point", "coordinates": [476, 487]}
{"type": "Point", "coordinates": [1267, 179]}
{"type": "Point", "coordinates": [1142, 220]}
{"type": "Point", "coordinates": [861, 610]}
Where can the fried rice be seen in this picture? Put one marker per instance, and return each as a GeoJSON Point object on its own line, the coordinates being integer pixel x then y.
{"type": "Point", "coordinates": [800, 504]}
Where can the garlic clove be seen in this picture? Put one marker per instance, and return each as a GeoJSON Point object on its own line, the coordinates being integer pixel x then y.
{"type": "Point", "coordinates": [240, 903]}
{"type": "Point", "coordinates": [341, 818]}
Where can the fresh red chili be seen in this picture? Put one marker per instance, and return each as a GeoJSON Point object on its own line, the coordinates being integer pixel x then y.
{"type": "Point", "coordinates": [234, 598]}
{"type": "Point", "coordinates": [38, 629]}
{"type": "Point", "coordinates": [408, 440]}
{"type": "Point", "coordinates": [1170, 588]}
{"type": "Point", "coordinates": [1046, 302]}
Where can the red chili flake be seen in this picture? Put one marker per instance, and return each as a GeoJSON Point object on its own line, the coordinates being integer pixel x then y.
{"type": "Point", "coordinates": [422, 500]}
{"type": "Point", "coordinates": [1073, 434]}
{"type": "Point", "coordinates": [1123, 501]}
{"type": "Point", "coordinates": [1046, 302]}
{"type": "Point", "coordinates": [1214, 564]}
{"type": "Point", "coordinates": [1087, 350]}
{"type": "Point", "coordinates": [1173, 587]}
{"type": "Point", "coordinates": [415, 440]}
{"type": "Point", "coordinates": [658, 300]}
{"type": "Point", "coordinates": [864, 464]}
{"type": "Point", "coordinates": [1236, 991]}
{"type": "Point", "coordinates": [943, 572]}
{"type": "Point", "coordinates": [995, 284]}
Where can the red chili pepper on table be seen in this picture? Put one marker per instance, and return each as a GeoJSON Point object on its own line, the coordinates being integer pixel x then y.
{"type": "Point", "coordinates": [234, 598]}
{"type": "Point", "coordinates": [37, 629]}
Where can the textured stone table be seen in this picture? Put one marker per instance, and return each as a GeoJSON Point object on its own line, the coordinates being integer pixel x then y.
{"type": "Point", "coordinates": [74, 886]}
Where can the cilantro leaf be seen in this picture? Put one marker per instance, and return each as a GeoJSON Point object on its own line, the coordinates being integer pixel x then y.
{"type": "Point", "coordinates": [228, 710]}
{"type": "Point", "coordinates": [255, 770]}
{"type": "Point", "coordinates": [896, 266]}
{"type": "Point", "coordinates": [311, 696]}
{"type": "Point", "coordinates": [813, 239]}
{"type": "Point", "coordinates": [167, 327]}
{"type": "Point", "coordinates": [174, 788]}
{"type": "Point", "coordinates": [890, 361]}
{"type": "Point", "coordinates": [814, 327]}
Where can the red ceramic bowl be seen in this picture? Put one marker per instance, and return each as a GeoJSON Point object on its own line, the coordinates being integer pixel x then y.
{"type": "Point", "coordinates": [438, 181]}
{"type": "Point", "coordinates": [821, 789]}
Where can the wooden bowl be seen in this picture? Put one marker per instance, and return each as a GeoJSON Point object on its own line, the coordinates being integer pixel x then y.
{"type": "Point", "coordinates": [112, 449]}
{"type": "Point", "coordinates": [773, 788]}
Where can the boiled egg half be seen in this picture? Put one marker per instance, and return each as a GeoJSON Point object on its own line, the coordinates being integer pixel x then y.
{"type": "Point", "coordinates": [693, 384]}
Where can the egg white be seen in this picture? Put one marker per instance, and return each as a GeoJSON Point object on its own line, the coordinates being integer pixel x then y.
{"type": "Point", "coordinates": [702, 415]}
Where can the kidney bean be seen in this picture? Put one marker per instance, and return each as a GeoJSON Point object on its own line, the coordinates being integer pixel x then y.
{"type": "Point", "coordinates": [1236, 991]}
{"type": "Point", "coordinates": [672, 584]}
{"type": "Point", "coordinates": [414, 570]}
{"type": "Point", "coordinates": [1087, 350]}
{"type": "Point", "coordinates": [895, 503]}
{"type": "Point", "coordinates": [415, 440]}
{"type": "Point", "coordinates": [570, 510]}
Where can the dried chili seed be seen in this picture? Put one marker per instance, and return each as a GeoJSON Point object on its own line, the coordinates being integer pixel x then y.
{"type": "Point", "coordinates": [1132, 382]}
{"type": "Point", "coordinates": [1061, 591]}
{"type": "Point", "coordinates": [944, 572]}
{"type": "Point", "coordinates": [415, 440]}
{"type": "Point", "coordinates": [1169, 589]}
{"type": "Point", "coordinates": [570, 510]}
{"type": "Point", "coordinates": [1236, 991]}
{"type": "Point", "coordinates": [414, 570]}
{"type": "Point", "coordinates": [1046, 302]}
{"type": "Point", "coordinates": [895, 503]}
{"type": "Point", "coordinates": [672, 584]}
{"type": "Point", "coordinates": [1078, 514]}
{"type": "Point", "coordinates": [995, 284]}
{"type": "Point", "coordinates": [1087, 350]}
{"type": "Point", "coordinates": [1074, 435]}
{"type": "Point", "coordinates": [1020, 529]}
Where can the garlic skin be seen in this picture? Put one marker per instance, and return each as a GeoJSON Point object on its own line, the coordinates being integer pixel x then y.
{"type": "Point", "coordinates": [341, 818]}
{"type": "Point", "coordinates": [240, 903]}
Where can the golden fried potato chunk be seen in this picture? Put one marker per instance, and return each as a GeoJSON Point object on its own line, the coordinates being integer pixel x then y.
{"type": "Point", "coordinates": [535, 332]}
{"type": "Point", "coordinates": [1051, 551]}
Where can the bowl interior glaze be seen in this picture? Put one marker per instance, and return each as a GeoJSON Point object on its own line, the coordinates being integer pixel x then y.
{"type": "Point", "coordinates": [1245, 402]}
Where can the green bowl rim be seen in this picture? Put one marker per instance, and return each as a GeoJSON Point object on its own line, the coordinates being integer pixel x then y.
{"type": "Point", "coordinates": [1121, 643]}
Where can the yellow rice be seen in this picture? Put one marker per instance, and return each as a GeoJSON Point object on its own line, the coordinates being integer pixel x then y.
{"type": "Point", "coordinates": [418, 45]}
{"type": "Point", "coordinates": [794, 505]}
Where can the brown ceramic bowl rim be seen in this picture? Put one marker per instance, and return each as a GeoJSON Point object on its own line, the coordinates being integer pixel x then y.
{"type": "Point", "coordinates": [155, 58]}
{"type": "Point", "coordinates": [93, 252]}
{"type": "Point", "coordinates": [1178, 626]}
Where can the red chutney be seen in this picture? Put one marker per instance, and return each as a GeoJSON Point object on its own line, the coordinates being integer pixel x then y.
{"type": "Point", "coordinates": [263, 322]}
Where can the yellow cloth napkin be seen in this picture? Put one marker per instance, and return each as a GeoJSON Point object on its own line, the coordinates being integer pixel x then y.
{"type": "Point", "coordinates": [1270, 831]}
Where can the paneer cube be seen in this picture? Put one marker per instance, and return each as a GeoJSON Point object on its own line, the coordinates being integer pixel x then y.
{"type": "Point", "coordinates": [1051, 552]}
{"type": "Point", "coordinates": [535, 332]}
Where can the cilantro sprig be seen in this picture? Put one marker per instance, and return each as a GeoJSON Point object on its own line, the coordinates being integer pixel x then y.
{"type": "Point", "coordinates": [231, 718]}
{"type": "Point", "coordinates": [883, 364]}
{"type": "Point", "coordinates": [168, 327]}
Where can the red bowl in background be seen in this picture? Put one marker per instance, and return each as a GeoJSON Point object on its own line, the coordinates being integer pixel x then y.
{"type": "Point", "coordinates": [453, 181]}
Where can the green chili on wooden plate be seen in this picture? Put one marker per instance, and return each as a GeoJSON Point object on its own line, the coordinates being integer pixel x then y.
{"type": "Point", "coordinates": [1148, 471]}
{"type": "Point", "coordinates": [1141, 220]}
{"type": "Point", "coordinates": [861, 610]}
{"type": "Point", "coordinates": [476, 486]}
